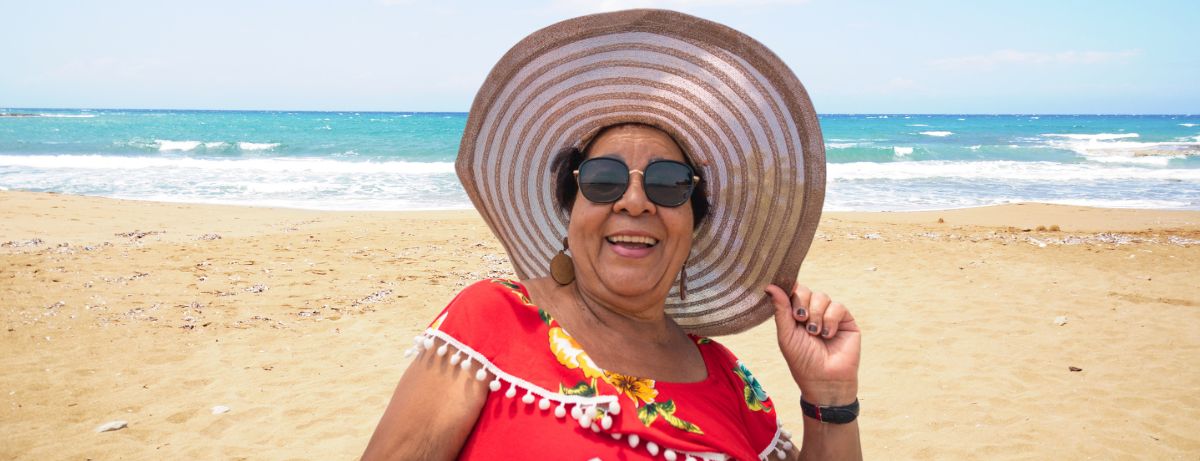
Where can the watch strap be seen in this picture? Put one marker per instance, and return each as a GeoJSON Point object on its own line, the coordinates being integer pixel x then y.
{"type": "Point", "coordinates": [833, 415]}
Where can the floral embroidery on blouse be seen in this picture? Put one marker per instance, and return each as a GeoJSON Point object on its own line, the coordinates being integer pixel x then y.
{"type": "Point", "coordinates": [756, 397]}
{"type": "Point", "coordinates": [582, 389]}
{"type": "Point", "coordinates": [639, 390]}
{"type": "Point", "coordinates": [666, 409]}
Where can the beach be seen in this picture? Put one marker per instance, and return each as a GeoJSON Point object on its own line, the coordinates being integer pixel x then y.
{"type": "Point", "coordinates": [1023, 331]}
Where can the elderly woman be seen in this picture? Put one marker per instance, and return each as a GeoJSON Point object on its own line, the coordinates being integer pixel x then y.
{"type": "Point", "coordinates": [681, 146]}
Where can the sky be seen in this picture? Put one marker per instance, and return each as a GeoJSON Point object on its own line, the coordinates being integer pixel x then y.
{"type": "Point", "coordinates": [422, 55]}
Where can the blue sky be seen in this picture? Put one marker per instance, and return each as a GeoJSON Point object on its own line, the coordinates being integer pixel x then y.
{"type": "Point", "coordinates": [400, 55]}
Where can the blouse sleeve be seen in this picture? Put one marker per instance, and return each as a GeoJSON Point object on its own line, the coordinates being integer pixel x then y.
{"type": "Point", "coordinates": [491, 327]}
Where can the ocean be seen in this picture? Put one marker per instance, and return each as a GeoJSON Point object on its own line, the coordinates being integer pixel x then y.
{"type": "Point", "coordinates": [405, 160]}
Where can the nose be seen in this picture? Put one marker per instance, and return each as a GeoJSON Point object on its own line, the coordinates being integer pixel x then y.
{"type": "Point", "coordinates": [634, 201]}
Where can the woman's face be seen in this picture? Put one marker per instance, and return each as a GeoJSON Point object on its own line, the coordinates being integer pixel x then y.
{"type": "Point", "coordinates": [608, 241]}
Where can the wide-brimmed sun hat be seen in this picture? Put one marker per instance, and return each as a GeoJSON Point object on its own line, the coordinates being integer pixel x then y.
{"type": "Point", "coordinates": [740, 115]}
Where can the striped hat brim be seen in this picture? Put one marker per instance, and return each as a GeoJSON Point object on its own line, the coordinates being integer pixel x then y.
{"type": "Point", "coordinates": [737, 111]}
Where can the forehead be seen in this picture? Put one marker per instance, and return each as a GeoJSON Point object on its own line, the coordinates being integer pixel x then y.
{"type": "Point", "coordinates": [634, 142]}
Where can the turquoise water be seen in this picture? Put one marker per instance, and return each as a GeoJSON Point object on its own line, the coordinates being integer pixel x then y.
{"type": "Point", "coordinates": [399, 161]}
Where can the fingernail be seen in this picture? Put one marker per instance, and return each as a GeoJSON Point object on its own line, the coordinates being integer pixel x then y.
{"type": "Point", "coordinates": [825, 331]}
{"type": "Point", "coordinates": [800, 312]}
{"type": "Point", "coordinates": [812, 328]}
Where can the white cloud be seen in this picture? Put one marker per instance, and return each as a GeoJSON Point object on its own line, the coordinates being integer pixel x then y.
{"type": "Point", "coordinates": [613, 5]}
{"type": "Point", "coordinates": [1001, 58]}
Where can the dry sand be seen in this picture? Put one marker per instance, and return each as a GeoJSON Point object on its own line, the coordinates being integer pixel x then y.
{"type": "Point", "coordinates": [297, 321]}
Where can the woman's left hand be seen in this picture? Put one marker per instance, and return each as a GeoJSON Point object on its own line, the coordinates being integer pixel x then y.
{"type": "Point", "coordinates": [821, 344]}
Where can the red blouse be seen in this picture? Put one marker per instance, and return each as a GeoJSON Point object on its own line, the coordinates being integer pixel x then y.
{"type": "Point", "coordinates": [550, 401]}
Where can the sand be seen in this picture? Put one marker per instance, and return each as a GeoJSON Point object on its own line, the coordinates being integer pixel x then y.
{"type": "Point", "coordinates": [297, 321]}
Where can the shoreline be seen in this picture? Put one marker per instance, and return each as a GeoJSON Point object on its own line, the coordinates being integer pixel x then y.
{"type": "Point", "coordinates": [153, 313]}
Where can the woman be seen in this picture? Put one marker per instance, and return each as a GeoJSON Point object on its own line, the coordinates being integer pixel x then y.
{"type": "Point", "coordinates": [612, 337]}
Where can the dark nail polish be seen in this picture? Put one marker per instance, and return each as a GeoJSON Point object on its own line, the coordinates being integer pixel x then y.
{"type": "Point", "coordinates": [825, 331]}
{"type": "Point", "coordinates": [800, 312]}
{"type": "Point", "coordinates": [812, 328]}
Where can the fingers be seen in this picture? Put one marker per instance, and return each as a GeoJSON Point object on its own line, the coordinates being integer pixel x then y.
{"type": "Point", "coordinates": [814, 312]}
{"type": "Point", "coordinates": [784, 322]}
{"type": "Point", "coordinates": [832, 320]}
{"type": "Point", "coordinates": [815, 322]}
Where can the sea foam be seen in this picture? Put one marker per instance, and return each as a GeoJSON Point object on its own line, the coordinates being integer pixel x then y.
{"type": "Point", "coordinates": [1109, 148]}
{"type": "Point", "coordinates": [257, 145]}
{"type": "Point", "coordinates": [165, 145]}
{"type": "Point", "coordinates": [938, 134]}
{"type": "Point", "coordinates": [1003, 170]}
{"type": "Point", "coordinates": [266, 165]}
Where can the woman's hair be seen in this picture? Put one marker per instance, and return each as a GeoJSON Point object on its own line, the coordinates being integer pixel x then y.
{"type": "Point", "coordinates": [567, 160]}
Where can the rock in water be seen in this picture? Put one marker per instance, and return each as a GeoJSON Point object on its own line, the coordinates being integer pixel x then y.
{"type": "Point", "coordinates": [220, 409]}
{"type": "Point", "coordinates": [112, 426]}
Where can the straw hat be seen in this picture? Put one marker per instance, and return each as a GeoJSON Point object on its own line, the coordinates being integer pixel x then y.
{"type": "Point", "coordinates": [737, 111]}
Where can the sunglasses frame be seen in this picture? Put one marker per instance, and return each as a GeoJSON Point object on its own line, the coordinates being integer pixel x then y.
{"type": "Point", "coordinates": [630, 172]}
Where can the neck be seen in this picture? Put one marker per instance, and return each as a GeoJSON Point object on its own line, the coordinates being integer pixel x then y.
{"type": "Point", "coordinates": [645, 320]}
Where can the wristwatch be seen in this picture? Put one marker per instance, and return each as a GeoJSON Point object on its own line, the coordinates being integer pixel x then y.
{"type": "Point", "coordinates": [832, 415]}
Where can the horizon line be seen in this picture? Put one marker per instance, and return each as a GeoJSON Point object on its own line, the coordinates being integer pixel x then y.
{"type": "Point", "coordinates": [9, 109]}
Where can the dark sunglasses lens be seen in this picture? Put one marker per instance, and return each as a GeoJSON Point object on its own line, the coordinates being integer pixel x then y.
{"type": "Point", "coordinates": [603, 180]}
{"type": "Point", "coordinates": [668, 183]}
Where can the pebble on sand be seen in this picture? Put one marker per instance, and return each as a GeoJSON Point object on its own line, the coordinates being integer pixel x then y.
{"type": "Point", "coordinates": [112, 426]}
{"type": "Point", "coordinates": [1060, 320]}
{"type": "Point", "coordinates": [220, 409]}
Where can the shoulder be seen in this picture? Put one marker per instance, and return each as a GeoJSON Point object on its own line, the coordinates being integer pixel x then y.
{"type": "Point", "coordinates": [738, 374]}
{"type": "Point", "coordinates": [483, 300]}
{"type": "Point", "coordinates": [487, 316]}
{"type": "Point", "coordinates": [714, 349]}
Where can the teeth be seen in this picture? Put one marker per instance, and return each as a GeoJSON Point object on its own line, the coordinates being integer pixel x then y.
{"type": "Point", "coordinates": [633, 239]}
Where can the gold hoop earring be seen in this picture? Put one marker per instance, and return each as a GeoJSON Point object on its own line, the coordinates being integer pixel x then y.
{"type": "Point", "coordinates": [562, 269]}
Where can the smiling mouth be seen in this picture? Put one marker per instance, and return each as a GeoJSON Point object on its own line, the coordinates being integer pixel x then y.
{"type": "Point", "coordinates": [632, 241]}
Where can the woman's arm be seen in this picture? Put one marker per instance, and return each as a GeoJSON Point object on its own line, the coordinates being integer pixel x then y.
{"type": "Point", "coordinates": [821, 343]}
{"type": "Point", "coordinates": [431, 413]}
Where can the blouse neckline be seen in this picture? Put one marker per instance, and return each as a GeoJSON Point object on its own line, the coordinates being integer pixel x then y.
{"type": "Point", "coordinates": [696, 341]}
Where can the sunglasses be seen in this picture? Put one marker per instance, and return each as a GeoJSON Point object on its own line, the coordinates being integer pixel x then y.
{"type": "Point", "coordinates": [667, 182]}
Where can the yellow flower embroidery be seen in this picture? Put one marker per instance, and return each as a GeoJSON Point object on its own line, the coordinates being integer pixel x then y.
{"type": "Point", "coordinates": [639, 390]}
{"type": "Point", "coordinates": [571, 355]}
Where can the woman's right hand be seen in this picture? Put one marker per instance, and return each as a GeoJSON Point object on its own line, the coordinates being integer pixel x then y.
{"type": "Point", "coordinates": [820, 342]}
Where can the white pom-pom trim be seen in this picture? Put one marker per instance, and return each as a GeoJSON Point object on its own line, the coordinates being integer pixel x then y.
{"type": "Point", "coordinates": [544, 404]}
{"type": "Point", "coordinates": [633, 440]}
{"type": "Point", "coordinates": [652, 448]}
{"type": "Point", "coordinates": [670, 455]}
{"type": "Point", "coordinates": [527, 399]}
{"type": "Point", "coordinates": [441, 350]}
